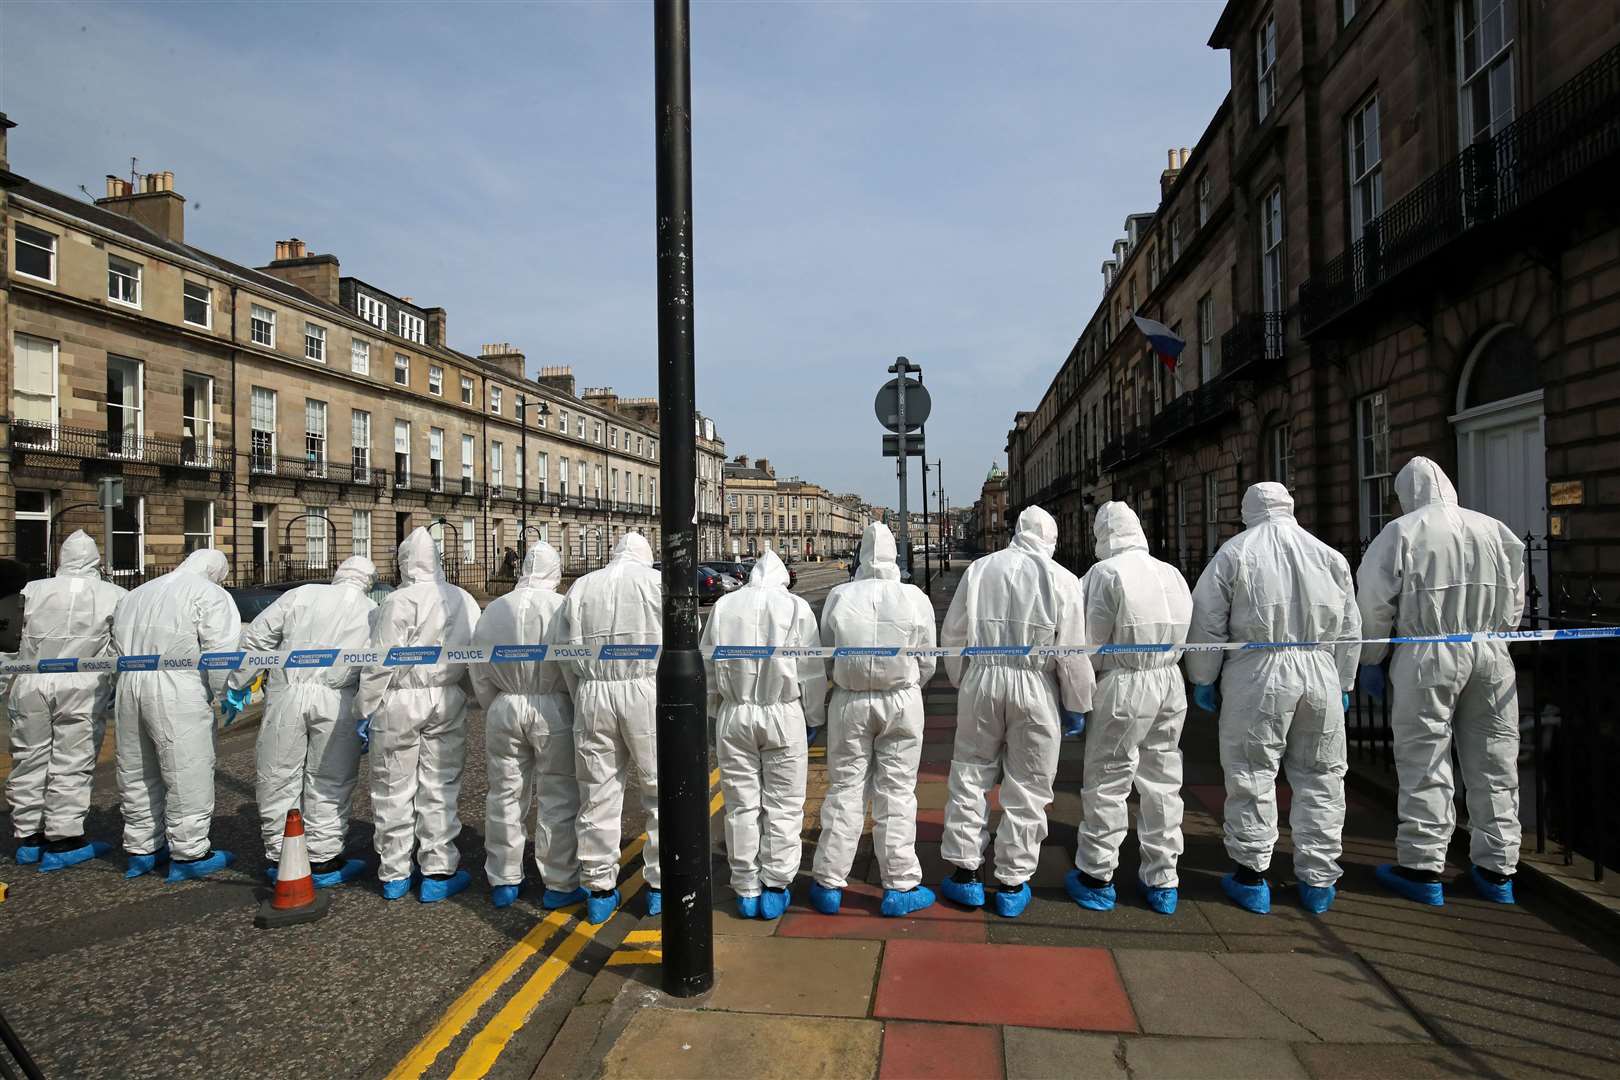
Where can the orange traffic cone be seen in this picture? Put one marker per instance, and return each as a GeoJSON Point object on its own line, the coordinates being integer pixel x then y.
{"type": "Point", "coordinates": [294, 899]}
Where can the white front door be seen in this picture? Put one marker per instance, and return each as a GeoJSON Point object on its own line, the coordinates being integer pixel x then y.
{"type": "Point", "coordinates": [1502, 466]}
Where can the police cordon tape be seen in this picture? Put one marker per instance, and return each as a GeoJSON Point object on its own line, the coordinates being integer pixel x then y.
{"type": "Point", "coordinates": [418, 655]}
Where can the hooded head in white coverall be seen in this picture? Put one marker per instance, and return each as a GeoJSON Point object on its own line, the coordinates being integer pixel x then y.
{"type": "Point", "coordinates": [1279, 707]}
{"type": "Point", "coordinates": [1441, 569]}
{"type": "Point", "coordinates": [875, 719]}
{"type": "Point", "coordinates": [418, 717]}
{"type": "Point", "coordinates": [1007, 711]}
{"type": "Point", "coordinates": [615, 705]}
{"type": "Point", "coordinates": [164, 719]}
{"type": "Point", "coordinates": [1134, 732]}
{"type": "Point", "coordinates": [57, 720]}
{"type": "Point", "coordinates": [529, 731]}
{"type": "Point", "coordinates": [761, 709]}
{"type": "Point", "coordinates": [308, 751]}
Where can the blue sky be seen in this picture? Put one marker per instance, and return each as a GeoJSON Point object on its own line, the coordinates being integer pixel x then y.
{"type": "Point", "coordinates": [938, 180]}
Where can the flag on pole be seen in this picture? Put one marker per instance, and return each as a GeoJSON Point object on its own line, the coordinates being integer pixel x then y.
{"type": "Point", "coordinates": [1166, 343]}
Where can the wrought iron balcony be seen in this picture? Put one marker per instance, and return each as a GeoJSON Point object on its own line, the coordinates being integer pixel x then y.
{"type": "Point", "coordinates": [1572, 131]}
{"type": "Point", "coordinates": [1255, 345]}
{"type": "Point", "coordinates": [30, 437]}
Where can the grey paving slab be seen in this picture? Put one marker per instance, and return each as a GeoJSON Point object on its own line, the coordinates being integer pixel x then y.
{"type": "Point", "coordinates": [1038, 1054]}
{"type": "Point", "coordinates": [1335, 998]}
{"type": "Point", "coordinates": [801, 976]}
{"type": "Point", "coordinates": [664, 1044]}
{"type": "Point", "coordinates": [1211, 1059]}
{"type": "Point", "coordinates": [1328, 1061]}
{"type": "Point", "coordinates": [1179, 993]}
{"type": "Point", "coordinates": [1054, 919]}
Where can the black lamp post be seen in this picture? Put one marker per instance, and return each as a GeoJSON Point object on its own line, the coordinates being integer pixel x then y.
{"type": "Point", "coordinates": [544, 410]}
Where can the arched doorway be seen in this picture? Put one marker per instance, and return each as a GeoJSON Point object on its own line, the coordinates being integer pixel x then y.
{"type": "Point", "coordinates": [1501, 438]}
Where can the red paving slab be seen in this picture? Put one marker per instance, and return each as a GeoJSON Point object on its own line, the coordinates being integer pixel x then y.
{"type": "Point", "coordinates": [940, 1052]}
{"type": "Point", "coordinates": [859, 918]}
{"type": "Point", "coordinates": [939, 723]}
{"type": "Point", "coordinates": [1024, 985]}
{"type": "Point", "coordinates": [939, 734]}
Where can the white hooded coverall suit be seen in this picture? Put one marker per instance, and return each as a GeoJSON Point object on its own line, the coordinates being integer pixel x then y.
{"type": "Point", "coordinates": [165, 719]}
{"type": "Point", "coordinates": [308, 750]}
{"type": "Point", "coordinates": [1279, 707]}
{"type": "Point", "coordinates": [529, 731]}
{"type": "Point", "coordinates": [57, 720]}
{"type": "Point", "coordinates": [1007, 711]}
{"type": "Point", "coordinates": [418, 717]}
{"type": "Point", "coordinates": [615, 706]}
{"type": "Point", "coordinates": [1441, 569]}
{"type": "Point", "coordinates": [1134, 731]}
{"type": "Point", "coordinates": [875, 718]}
{"type": "Point", "coordinates": [761, 709]}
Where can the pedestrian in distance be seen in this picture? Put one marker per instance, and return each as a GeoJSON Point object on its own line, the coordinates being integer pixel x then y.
{"type": "Point", "coordinates": [308, 750]}
{"type": "Point", "coordinates": [1134, 730]}
{"type": "Point", "coordinates": [1010, 708]}
{"type": "Point", "coordinates": [1439, 569]}
{"type": "Point", "coordinates": [615, 716]}
{"type": "Point", "coordinates": [529, 739]}
{"type": "Point", "coordinates": [762, 708]}
{"type": "Point", "coordinates": [58, 718]}
{"type": "Point", "coordinates": [874, 729]}
{"type": "Point", "coordinates": [416, 714]}
{"type": "Point", "coordinates": [165, 719]}
{"type": "Point", "coordinates": [1279, 708]}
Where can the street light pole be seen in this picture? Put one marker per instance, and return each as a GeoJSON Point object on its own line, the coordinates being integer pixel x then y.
{"type": "Point", "coordinates": [683, 744]}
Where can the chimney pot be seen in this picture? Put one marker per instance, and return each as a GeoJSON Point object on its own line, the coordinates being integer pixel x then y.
{"type": "Point", "coordinates": [1172, 160]}
{"type": "Point", "coordinates": [112, 185]}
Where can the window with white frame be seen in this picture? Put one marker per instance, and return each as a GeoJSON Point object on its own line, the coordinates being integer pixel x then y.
{"type": "Point", "coordinates": [314, 437]}
{"type": "Point", "coordinates": [197, 304]}
{"type": "Point", "coordinates": [435, 380]}
{"type": "Point", "coordinates": [579, 428]}
{"type": "Point", "coordinates": [1366, 167]}
{"type": "Point", "coordinates": [1271, 251]}
{"type": "Point", "coordinates": [519, 467]}
{"type": "Point", "coordinates": [1208, 365]}
{"type": "Point", "coordinates": [32, 516]}
{"type": "Point", "coordinates": [1280, 454]}
{"type": "Point", "coordinates": [360, 357]}
{"type": "Point", "coordinates": [1372, 462]}
{"type": "Point", "coordinates": [196, 419]}
{"type": "Point", "coordinates": [262, 326]}
{"type": "Point", "coordinates": [360, 444]}
{"type": "Point", "coordinates": [579, 480]}
{"type": "Point", "coordinates": [374, 311]}
{"type": "Point", "coordinates": [469, 453]}
{"type": "Point", "coordinates": [541, 470]}
{"type": "Point", "coordinates": [1206, 199]}
{"type": "Point", "coordinates": [34, 253]}
{"type": "Point", "coordinates": [613, 438]}
{"type": "Point", "coordinates": [360, 533]}
{"type": "Point", "coordinates": [412, 328]}
{"type": "Point", "coordinates": [494, 399]}
{"type": "Point", "coordinates": [1153, 267]}
{"type": "Point", "coordinates": [123, 281]}
{"type": "Point", "coordinates": [402, 369]}
{"type": "Point", "coordinates": [435, 459]}
{"type": "Point", "coordinates": [198, 524]}
{"type": "Point", "coordinates": [497, 466]}
{"type": "Point", "coordinates": [596, 487]}
{"type": "Point", "coordinates": [469, 540]}
{"type": "Point", "coordinates": [262, 417]}
{"type": "Point", "coordinates": [613, 484]}
{"type": "Point", "coordinates": [316, 530]}
{"type": "Point", "coordinates": [562, 423]}
{"type": "Point", "coordinates": [1212, 507]}
{"type": "Point", "coordinates": [1485, 33]}
{"type": "Point", "coordinates": [129, 537]}
{"type": "Point", "coordinates": [315, 342]}
{"type": "Point", "coordinates": [126, 400]}
{"type": "Point", "coordinates": [34, 389]}
{"type": "Point", "coordinates": [402, 453]}
{"type": "Point", "coordinates": [466, 390]}
{"type": "Point", "coordinates": [1265, 66]}
{"type": "Point", "coordinates": [562, 477]}
{"type": "Point", "coordinates": [1175, 238]}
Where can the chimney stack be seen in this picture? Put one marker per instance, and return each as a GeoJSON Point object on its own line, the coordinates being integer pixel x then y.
{"type": "Point", "coordinates": [315, 274]}
{"type": "Point", "coordinates": [436, 333]}
{"type": "Point", "coordinates": [502, 354]}
{"type": "Point", "coordinates": [764, 466]}
{"type": "Point", "coordinates": [742, 460]}
{"type": "Point", "coordinates": [559, 377]}
{"type": "Point", "coordinates": [156, 205]}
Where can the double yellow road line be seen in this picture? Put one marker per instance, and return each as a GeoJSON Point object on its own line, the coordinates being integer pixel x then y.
{"type": "Point", "coordinates": [491, 1040]}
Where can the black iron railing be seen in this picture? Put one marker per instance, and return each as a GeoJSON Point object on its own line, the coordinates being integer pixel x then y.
{"type": "Point", "coordinates": [1253, 345]}
{"type": "Point", "coordinates": [62, 440]}
{"type": "Point", "coordinates": [262, 465]}
{"type": "Point", "coordinates": [1570, 131]}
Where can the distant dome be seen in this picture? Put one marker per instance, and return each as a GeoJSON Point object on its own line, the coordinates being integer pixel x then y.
{"type": "Point", "coordinates": [996, 473]}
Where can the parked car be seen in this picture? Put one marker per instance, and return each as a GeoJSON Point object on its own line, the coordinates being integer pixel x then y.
{"type": "Point", "coordinates": [251, 600]}
{"type": "Point", "coordinates": [712, 582]}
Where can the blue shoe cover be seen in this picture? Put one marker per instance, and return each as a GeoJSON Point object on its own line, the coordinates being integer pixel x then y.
{"type": "Point", "coordinates": [95, 849]}
{"type": "Point", "coordinates": [825, 900]}
{"type": "Point", "coordinates": [748, 907]}
{"type": "Point", "coordinates": [1010, 905]}
{"type": "Point", "coordinates": [1316, 899]}
{"type": "Point", "coordinates": [966, 893]}
{"type": "Point", "coordinates": [1255, 898]}
{"type": "Point", "coordinates": [897, 902]}
{"type": "Point", "coordinates": [199, 868]}
{"type": "Point", "coordinates": [1087, 897]}
{"type": "Point", "coordinates": [553, 899]}
{"type": "Point", "coordinates": [29, 854]}
{"type": "Point", "coordinates": [145, 864]}
{"type": "Point", "coordinates": [599, 909]}
{"type": "Point", "coordinates": [1159, 898]}
{"type": "Point", "coordinates": [1496, 894]}
{"type": "Point", "coordinates": [351, 869]}
{"type": "Point", "coordinates": [773, 902]}
{"type": "Point", "coordinates": [655, 902]}
{"type": "Point", "coordinates": [503, 896]}
{"type": "Point", "coordinates": [432, 890]}
{"type": "Point", "coordinates": [1420, 892]}
{"type": "Point", "coordinates": [393, 890]}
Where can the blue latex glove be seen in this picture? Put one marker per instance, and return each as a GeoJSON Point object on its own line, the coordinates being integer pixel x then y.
{"type": "Point", "coordinates": [1344, 701]}
{"type": "Point", "coordinates": [235, 701]}
{"type": "Point", "coordinates": [1204, 697]}
{"type": "Point", "coordinates": [1074, 724]}
{"type": "Point", "coordinates": [1373, 681]}
{"type": "Point", "coordinates": [363, 729]}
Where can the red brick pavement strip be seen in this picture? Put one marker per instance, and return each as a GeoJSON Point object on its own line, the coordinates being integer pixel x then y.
{"type": "Point", "coordinates": [1074, 989]}
{"type": "Point", "coordinates": [859, 918]}
{"type": "Point", "coordinates": [940, 1052]}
